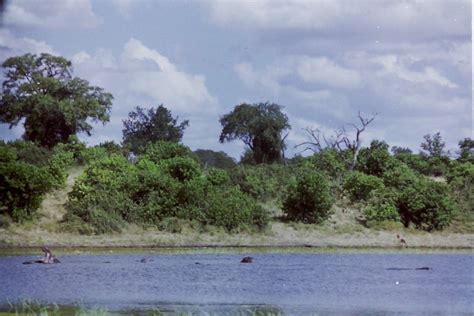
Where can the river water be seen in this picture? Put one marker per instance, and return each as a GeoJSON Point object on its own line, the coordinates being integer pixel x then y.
{"type": "Point", "coordinates": [286, 283]}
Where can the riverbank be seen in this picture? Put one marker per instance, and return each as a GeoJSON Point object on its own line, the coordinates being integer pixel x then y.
{"type": "Point", "coordinates": [279, 235]}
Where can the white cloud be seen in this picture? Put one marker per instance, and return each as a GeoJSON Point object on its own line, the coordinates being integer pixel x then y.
{"type": "Point", "coordinates": [430, 19]}
{"type": "Point", "coordinates": [142, 76]}
{"type": "Point", "coordinates": [13, 46]}
{"type": "Point", "coordinates": [325, 71]}
{"type": "Point", "coordinates": [50, 14]}
{"type": "Point", "coordinates": [392, 65]}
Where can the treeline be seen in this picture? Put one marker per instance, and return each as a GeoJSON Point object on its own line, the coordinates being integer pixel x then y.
{"type": "Point", "coordinates": [150, 179]}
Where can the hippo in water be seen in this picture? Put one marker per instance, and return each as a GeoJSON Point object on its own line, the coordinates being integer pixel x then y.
{"type": "Point", "coordinates": [246, 260]}
{"type": "Point", "coordinates": [47, 259]}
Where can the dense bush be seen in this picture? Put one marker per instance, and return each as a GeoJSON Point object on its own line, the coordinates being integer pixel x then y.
{"type": "Point", "coordinates": [263, 182]}
{"type": "Point", "coordinates": [426, 204]}
{"type": "Point", "coordinates": [23, 183]}
{"type": "Point", "coordinates": [382, 206]}
{"type": "Point", "coordinates": [375, 159]}
{"type": "Point", "coordinates": [330, 162]}
{"type": "Point", "coordinates": [415, 162]}
{"type": "Point", "coordinates": [309, 197]}
{"type": "Point", "coordinates": [359, 185]}
{"type": "Point", "coordinates": [113, 191]}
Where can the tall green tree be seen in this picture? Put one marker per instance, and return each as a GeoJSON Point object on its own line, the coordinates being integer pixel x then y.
{"type": "Point", "coordinates": [433, 146]}
{"type": "Point", "coordinates": [466, 150]}
{"type": "Point", "coordinates": [54, 104]}
{"type": "Point", "coordinates": [145, 126]}
{"type": "Point", "coordinates": [260, 126]}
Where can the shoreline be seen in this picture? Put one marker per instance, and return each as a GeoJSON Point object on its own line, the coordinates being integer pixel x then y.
{"type": "Point", "coordinates": [278, 237]}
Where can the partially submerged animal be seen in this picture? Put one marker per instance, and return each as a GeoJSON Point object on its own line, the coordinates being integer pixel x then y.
{"type": "Point", "coordinates": [246, 260]}
{"type": "Point", "coordinates": [47, 259]}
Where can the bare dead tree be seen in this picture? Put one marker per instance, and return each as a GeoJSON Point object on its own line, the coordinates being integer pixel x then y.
{"type": "Point", "coordinates": [320, 141]}
{"type": "Point", "coordinates": [354, 144]}
{"type": "Point", "coordinates": [339, 140]}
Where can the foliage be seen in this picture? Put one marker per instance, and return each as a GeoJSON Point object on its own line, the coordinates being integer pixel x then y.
{"type": "Point", "coordinates": [210, 158]}
{"type": "Point", "coordinates": [260, 127]}
{"type": "Point", "coordinates": [426, 204]}
{"type": "Point", "coordinates": [149, 126]}
{"type": "Point", "coordinates": [382, 206]}
{"type": "Point", "coordinates": [217, 176]}
{"type": "Point", "coordinates": [466, 150]}
{"type": "Point", "coordinates": [41, 90]}
{"type": "Point", "coordinates": [375, 159]}
{"type": "Point", "coordinates": [398, 176]}
{"type": "Point", "coordinates": [415, 162]}
{"type": "Point", "coordinates": [309, 197]}
{"type": "Point", "coordinates": [433, 146]}
{"type": "Point", "coordinates": [359, 185]}
{"type": "Point", "coordinates": [263, 182]}
{"type": "Point", "coordinates": [24, 184]}
{"type": "Point", "coordinates": [396, 150]}
{"type": "Point", "coordinates": [329, 161]}
{"type": "Point", "coordinates": [162, 150]}
{"type": "Point", "coordinates": [114, 191]}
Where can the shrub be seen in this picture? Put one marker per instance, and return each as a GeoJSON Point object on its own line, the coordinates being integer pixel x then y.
{"type": "Point", "coordinates": [426, 204]}
{"type": "Point", "coordinates": [232, 209]}
{"type": "Point", "coordinates": [329, 161]}
{"type": "Point", "coordinates": [24, 184]}
{"type": "Point", "coordinates": [113, 191]}
{"type": "Point", "coordinates": [166, 150]}
{"type": "Point", "coordinates": [415, 162]}
{"type": "Point", "coordinates": [382, 206]}
{"type": "Point", "coordinates": [359, 185]}
{"type": "Point", "coordinates": [375, 159]}
{"type": "Point", "coordinates": [181, 168]}
{"type": "Point", "coordinates": [217, 176]}
{"type": "Point", "coordinates": [309, 198]}
{"type": "Point", "coordinates": [399, 176]}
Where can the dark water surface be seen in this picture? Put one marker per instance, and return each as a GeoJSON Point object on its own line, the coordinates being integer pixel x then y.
{"type": "Point", "coordinates": [292, 283]}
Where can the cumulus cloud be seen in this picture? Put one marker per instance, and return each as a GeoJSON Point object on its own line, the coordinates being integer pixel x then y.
{"type": "Point", "coordinates": [142, 76]}
{"type": "Point", "coordinates": [12, 45]}
{"type": "Point", "coordinates": [392, 65]}
{"type": "Point", "coordinates": [325, 71]}
{"type": "Point", "coordinates": [393, 18]}
{"type": "Point", "coordinates": [50, 14]}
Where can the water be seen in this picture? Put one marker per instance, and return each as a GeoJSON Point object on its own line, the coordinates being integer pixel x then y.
{"type": "Point", "coordinates": [304, 283]}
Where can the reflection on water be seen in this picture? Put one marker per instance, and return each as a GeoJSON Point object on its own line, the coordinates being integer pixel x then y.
{"type": "Point", "coordinates": [274, 284]}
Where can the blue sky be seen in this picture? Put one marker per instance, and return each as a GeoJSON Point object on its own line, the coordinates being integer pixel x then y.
{"type": "Point", "coordinates": [323, 60]}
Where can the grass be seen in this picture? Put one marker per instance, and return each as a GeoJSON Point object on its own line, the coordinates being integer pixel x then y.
{"type": "Point", "coordinates": [32, 307]}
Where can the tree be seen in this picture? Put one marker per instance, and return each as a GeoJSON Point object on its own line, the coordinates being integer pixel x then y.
{"type": "Point", "coordinates": [260, 127]}
{"type": "Point", "coordinates": [433, 146]}
{"type": "Point", "coordinates": [148, 126]}
{"type": "Point", "coordinates": [466, 150]}
{"type": "Point", "coordinates": [340, 141]}
{"type": "Point", "coordinates": [210, 158]}
{"type": "Point", "coordinates": [53, 104]}
{"type": "Point", "coordinates": [401, 150]}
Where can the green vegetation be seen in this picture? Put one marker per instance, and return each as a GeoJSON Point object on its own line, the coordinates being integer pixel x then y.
{"type": "Point", "coordinates": [151, 180]}
{"type": "Point", "coordinates": [309, 197]}
{"type": "Point", "coordinates": [260, 127]}
{"type": "Point", "coordinates": [27, 173]}
{"type": "Point", "coordinates": [149, 126]}
{"type": "Point", "coordinates": [165, 182]}
{"type": "Point", "coordinates": [41, 90]}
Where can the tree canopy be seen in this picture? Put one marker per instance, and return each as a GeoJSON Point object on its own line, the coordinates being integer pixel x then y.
{"type": "Point", "coordinates": [149, 125]}
{"type": "Point", "coordinates": [433, 146]}
{"type": "Point", "coordinates": [54, 104]}
{"type": "Point", "coordinates": [260, 127]}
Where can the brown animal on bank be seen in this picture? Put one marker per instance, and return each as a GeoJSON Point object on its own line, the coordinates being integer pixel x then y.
{"type": "Point", "coordinates": [402, 241]}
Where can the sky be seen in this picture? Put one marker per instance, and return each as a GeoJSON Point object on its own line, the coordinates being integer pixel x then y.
{"type": "Point", "coordinates": [408, 61]}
